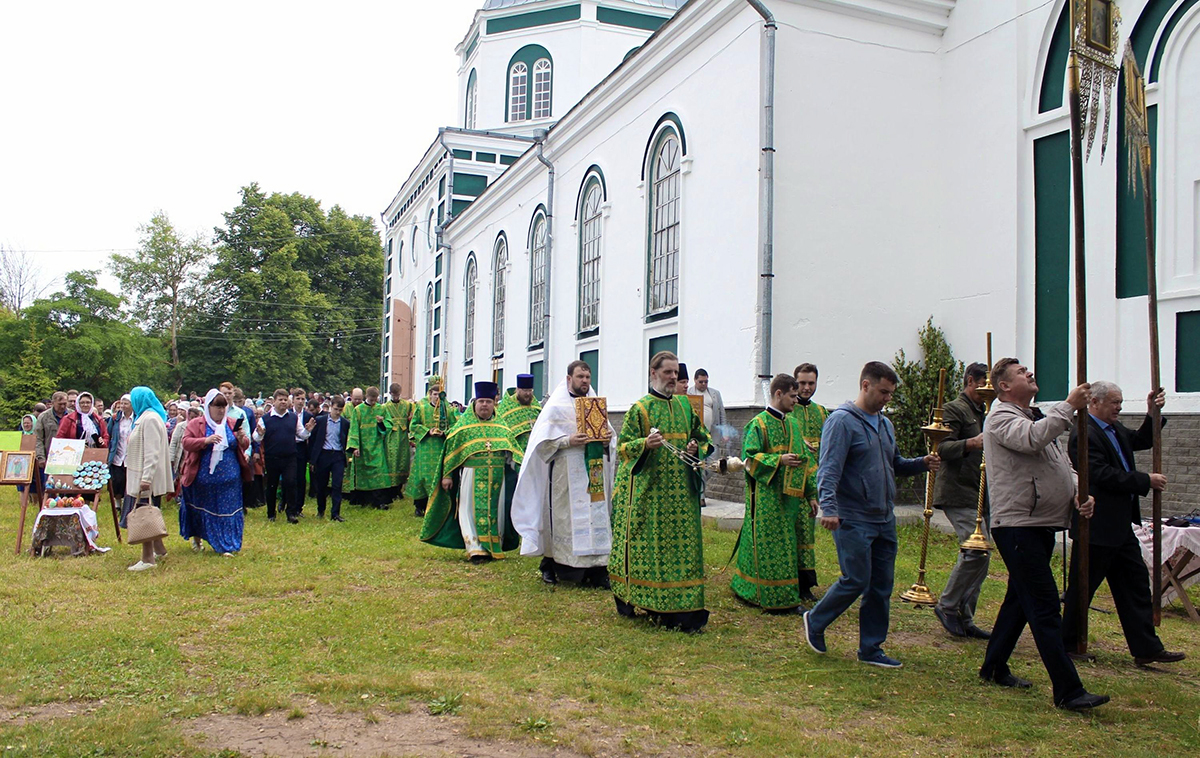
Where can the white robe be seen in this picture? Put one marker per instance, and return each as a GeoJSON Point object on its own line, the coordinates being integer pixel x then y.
{"type": "Point", "coordinates": [552, 508]}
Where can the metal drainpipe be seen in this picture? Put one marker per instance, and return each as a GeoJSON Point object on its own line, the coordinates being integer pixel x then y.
{"type": "Point", "coordinates": [540, 136]}
{"type": "Point", "coordinates": [766, 224]}
{"type": "Point", "coordinates": [446, 260]}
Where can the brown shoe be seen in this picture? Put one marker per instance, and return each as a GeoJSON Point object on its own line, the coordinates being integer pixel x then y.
{"type": "Point", "coordinates": [1163, 656]}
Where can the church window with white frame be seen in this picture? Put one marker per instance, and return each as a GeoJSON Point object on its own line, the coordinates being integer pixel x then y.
{"type": "Point", "coordinates": [469, 320]}
{"type": "Point", "coordinates": [665, 180]}
{"type": "Point", "coordinates": [429, 329]}
{"type": "Point", "coordinates": [542, 81]}
{"type": "Point", "coordinates": [518, 91]}
{"type": "Point", "coordinates": [537, 280]}
{"type": "Point", "coordinates": [472, 104]}
{"type": "Point", "coordinates": [499, 294]}
{"type": "Point", "coordinates": [589, 255]}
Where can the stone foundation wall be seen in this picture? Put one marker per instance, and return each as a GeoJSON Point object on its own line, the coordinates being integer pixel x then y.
{"type": "Point", "coordinates": [1181, 461]}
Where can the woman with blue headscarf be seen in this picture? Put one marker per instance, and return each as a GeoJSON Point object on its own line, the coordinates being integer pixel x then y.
{"type": "Point", "coordinates": [214, 465]}
{"type": "Point", "coordinates": [147, 464]}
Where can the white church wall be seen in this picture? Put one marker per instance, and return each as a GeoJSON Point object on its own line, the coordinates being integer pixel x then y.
{"type": "Point", "coordinates": [859, 199]}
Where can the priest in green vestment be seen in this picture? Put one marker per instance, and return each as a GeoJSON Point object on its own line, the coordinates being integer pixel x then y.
{"type": "Point", "coordinates": [472, 509]}
{"type": "Point", "coordinates": [431, 419]}
{"type": "Point", "coordinates": [398, 412]}
{"type": "Point", "coordinates": [367, 445]}
{"type": "Point", "coordinates": [657, 561]}
{"type": "Point", "coordinates": [781, 492]}
{"type": "Point", "coordinates": [520, 410]}
{"type": "Point", "coordinates": [349, 490]}
{"type": "Point", "coordinates": [812, 421]}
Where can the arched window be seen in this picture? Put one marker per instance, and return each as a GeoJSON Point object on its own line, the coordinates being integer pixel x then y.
{"type": "Point", "coordinates": [472, 98]}
{"type": "Point", "coordinates": [589, 254]}
{"type": "Point", "coordinates": [429, 329]}
{"type": "Point", "coordinates": [499, 285]}
{"type": "Point", "coordinates": [430, 231]}
{"type": "Point", "coordinates": [400, 258]}
{"type": "Point", "coordinates": [530, 84]}
{"type": "Point", "coordinates": [469, 321]}
{"type": "Point", "coordinates": [665, 175]}
{"type": "Point", "coordinates": [413, 246]}
{"type": "Point", "coordinates": [542, 73]}
{"type": "Point", "coordinates": [518, 91]}
{"type": "Point", "coordinates": [537, 280]}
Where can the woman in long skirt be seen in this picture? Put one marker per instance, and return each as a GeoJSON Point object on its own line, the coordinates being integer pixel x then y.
{"type": "Point", "coordinates": [213, 469]}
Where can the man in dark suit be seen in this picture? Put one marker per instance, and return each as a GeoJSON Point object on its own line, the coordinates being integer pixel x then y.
{"type": "Point", "coordinates": [1114, 552]}
{"type": "Point", "coordinates": [327, 453]}
{"type": "Point", "coordinates": [299, 403]}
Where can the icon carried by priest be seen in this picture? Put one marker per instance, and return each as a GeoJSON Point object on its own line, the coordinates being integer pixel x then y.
{"type": "Point", "coordinates": [472, 507]}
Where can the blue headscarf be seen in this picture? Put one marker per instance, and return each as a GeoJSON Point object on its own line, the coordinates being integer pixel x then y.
{"type": "Point", "coordinates": [143, 399]}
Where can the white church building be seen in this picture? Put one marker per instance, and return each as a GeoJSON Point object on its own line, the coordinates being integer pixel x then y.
{"type": "Point", "coordinates": [755, 184]}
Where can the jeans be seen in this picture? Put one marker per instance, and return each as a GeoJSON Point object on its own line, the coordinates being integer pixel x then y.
{"type": "Point", "coordinates": [329, 463]}
{"type": "Point", "coordinates": [283, 468]}
{"type": "Point", "coordinates": [867, 556]}
{"type": "Point", "coordinates": [1032, 598]}
{"type": "Point", "coordinates": [962, 588]}
{"type": "Point", "coordinates": [1129, 580]}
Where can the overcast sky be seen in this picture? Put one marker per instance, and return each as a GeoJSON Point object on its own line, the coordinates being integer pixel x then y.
{"type": "Point", "coordinates": [112, 111]}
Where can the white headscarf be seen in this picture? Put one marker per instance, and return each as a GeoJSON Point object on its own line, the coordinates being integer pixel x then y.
{"type": "Point", "coordinates": [218, 450]}
{"type": "Point", "coordinates": [85, 419]}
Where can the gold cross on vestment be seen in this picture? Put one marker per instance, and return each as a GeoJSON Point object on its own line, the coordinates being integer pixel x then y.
{"type": "Point", "coordinates": [487, 445]}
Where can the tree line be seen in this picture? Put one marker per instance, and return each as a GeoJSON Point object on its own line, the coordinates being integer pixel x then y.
{"type": "Point", "coordinates": [284, 293]}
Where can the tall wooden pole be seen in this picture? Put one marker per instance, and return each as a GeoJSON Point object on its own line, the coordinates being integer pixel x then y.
{"type": "Point", "coordinates": [1155, 376]}
{"type": "Point", "coordinates": [1082, 534]}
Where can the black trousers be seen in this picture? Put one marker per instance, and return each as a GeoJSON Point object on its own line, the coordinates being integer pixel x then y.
{"type": "Point", "coordinates": [278, 469]}
{"type": "Point", "coordinates": [301, 472]}
{"type": "Point", "coordinates": [329, 464]}
{"type": "Point", "coordinates": [1032, 598]}
{"type": "Point", "coordinates": [1129, 580]}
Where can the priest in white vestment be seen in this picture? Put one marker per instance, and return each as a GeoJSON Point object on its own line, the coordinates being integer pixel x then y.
{"type": "Point", "coordinates": [561, 510]}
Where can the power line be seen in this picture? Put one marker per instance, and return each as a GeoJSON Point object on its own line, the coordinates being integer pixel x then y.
{"type": "Point", "coordinates": [274, 339]}
{"type": "Point", "coordinates": [252, 243]}
{"type": "Point", "coordinates": [335, 333]}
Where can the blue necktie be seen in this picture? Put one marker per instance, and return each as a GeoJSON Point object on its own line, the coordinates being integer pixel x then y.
{"type": "Point", "coordinates": [1112, 435]}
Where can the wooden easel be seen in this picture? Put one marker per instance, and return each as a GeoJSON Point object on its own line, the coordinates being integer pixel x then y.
{"type": "Point", "coordinates": [29, 445]}
{"type": "Point", "coordinates": [90, 455]}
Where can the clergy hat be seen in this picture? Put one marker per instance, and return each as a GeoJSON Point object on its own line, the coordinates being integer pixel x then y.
{"type": "Point", "coordinates": [487, 390]}
{"type": "Point", "coordinates": [433, 382]}
{"type": "Point", "coordinates": [683, 374]}
{"type": "Point", "coordinates": [524, 381]}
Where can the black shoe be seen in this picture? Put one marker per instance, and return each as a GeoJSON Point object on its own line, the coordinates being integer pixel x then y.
{"type": "Point", "coordinates": [1008, 680]}
{"type": "Point", "coordinates": [806, 596]}
{"type": "Point", "coordinates": [419, 513]}
{"type": "Point", "coordinates": [548, 576]}
{"type": "Point", "coordinates": [478, 559]}
{"type": "Point", "coordinates": [293, 520]}
{"type": "Point", "coordinates": [271, 519]}
{"type": "Point", "coordinates": [601, 583]}
{"type": "Point", "coordinates": [320, 514]}
{"type": "Point", "coordinates": [975, 632]}
{"type": "Point", "coordinates": [338, 519]}
{"type": "Point", "coordinates": [1162, 656]}
{"type": "Point", "coordinates": [1084, 702]}
{"type": "Point", "coordinates": [950, 623]}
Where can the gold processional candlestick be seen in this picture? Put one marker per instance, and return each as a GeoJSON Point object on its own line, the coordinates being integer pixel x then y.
{"type": "Point", "coordinates": [988, 393]}
{"type": "Point", "coordinates": [935, 432]}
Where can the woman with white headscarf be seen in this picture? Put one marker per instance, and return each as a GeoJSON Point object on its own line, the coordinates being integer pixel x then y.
{"type": "Point", "coordinates": [119, 428]}
{"type": "Point", "coordinates": [214, 465]}
{"type": "Point", "coordinates": [84, 423]}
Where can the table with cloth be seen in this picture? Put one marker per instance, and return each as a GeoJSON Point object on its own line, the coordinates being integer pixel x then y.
{"type": "Point", "coordinates": [1181, 560]}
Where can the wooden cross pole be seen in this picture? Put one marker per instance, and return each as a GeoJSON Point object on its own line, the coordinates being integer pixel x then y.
{"type": "Point", "coordinates": [1140, 156]}
{"type": "Point", "coordinates": [1082, 534]}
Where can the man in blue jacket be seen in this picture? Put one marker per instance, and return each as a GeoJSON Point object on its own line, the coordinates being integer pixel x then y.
{"type": "Point", "coordinates": [856, 485]}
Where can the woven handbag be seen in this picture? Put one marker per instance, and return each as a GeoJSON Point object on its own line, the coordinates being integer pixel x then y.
{"type": "Point", "coordinates": [146, 523]}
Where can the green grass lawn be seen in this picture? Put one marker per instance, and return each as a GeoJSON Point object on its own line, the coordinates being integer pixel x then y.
{"type": "Point", "coordinates": [361, 616]}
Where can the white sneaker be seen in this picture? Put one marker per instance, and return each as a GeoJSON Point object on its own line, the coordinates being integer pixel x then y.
{"type": "Point", "coordinates": [142, 566]}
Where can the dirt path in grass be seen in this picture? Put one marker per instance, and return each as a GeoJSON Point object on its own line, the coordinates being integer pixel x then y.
{"type": "Point", "coordinates": [324, 731]}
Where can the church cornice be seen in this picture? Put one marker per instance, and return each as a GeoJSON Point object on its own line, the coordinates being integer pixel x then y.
{"type": "Point", "coordinates": [929, 16]}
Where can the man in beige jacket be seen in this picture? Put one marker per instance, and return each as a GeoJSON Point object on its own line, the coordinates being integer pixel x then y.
{"type": "Point", "coordinates": [1031, 487]}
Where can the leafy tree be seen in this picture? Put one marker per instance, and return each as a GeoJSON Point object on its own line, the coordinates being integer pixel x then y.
{"type": "Point", "coordinates": [917, 394]}
{"type": "Point", "coordinates": [161, 282]}
{"type": "Point", "coordinates": [26, 383]}
{"type": "Point", "coordinates": [295, 296]}
{"type": "Point", "coordinates": [89, 345]}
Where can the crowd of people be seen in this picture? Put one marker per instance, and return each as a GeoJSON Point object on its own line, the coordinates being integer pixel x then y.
{"type": "Point", "coordinates": [621, 511]}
